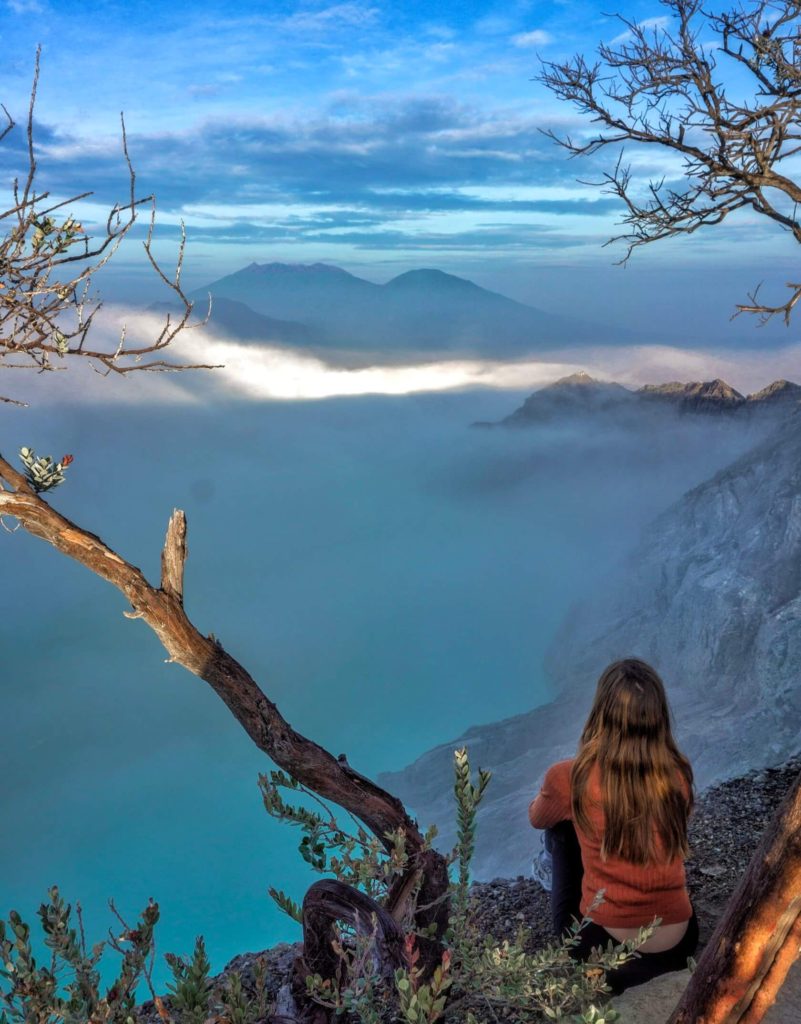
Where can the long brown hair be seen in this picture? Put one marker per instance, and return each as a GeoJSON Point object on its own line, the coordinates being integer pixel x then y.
{"type": "Point", "coordinates": [628, 735]}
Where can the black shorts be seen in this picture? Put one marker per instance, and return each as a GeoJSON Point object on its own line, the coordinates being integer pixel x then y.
{"type": "Point", "coordinates": [643, 966]}
{"type": "Point", "coordinates": [562, 843]}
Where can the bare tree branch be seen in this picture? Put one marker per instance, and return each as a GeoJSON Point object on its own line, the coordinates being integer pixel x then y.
{"type": "Point", "coordinates": [173, 557]}
{"type": "Point", "coordinates": [663, 86]}
{"type": "Point", "coordinates": [162, 610]}
{"type": "Point", "coordinates": [48, 262]}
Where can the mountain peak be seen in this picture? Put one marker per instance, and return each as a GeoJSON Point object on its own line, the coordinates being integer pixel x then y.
{"type": "Point", "coordinates": [718, 388]}
{"type": "Point", "coordinates": [709, 393]}
{"type": "Point", "coordinates": [431, 278]}
{"type": "Point", "coordinates": [583, 382]}
{"type": "Point", "coordinates": [779, 390]}
{"type": "Point", "coordinates": [297, 269]}
{"type": "Point", "coordinates": [582, 378]}
{"type": "Point", "coordinates": [577, 394]}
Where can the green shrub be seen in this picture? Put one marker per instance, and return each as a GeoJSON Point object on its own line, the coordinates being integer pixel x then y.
{"type": "Point", "coordinates": [479, 978]}
{"type": "Point", "coordinates": [33, 994]}
{"type": "Point", "coordinates": [191, 986]}
{"type": "Point", "coordinates": [477, 972]}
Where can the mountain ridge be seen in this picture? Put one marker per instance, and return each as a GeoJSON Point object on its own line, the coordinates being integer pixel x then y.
{"type": "Point", "coordinates": [423, 310]}
{"type": "Point", "coordinates": [581, 394]}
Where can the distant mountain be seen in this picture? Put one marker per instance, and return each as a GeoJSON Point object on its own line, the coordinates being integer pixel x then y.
{"type": "Point", "coordinates": [576, 395]}
{"type": "Point", "coordinates": [236, 320]}
{"type": "Point", "coordinates": [418, 311]}
{"type": "Point", "coordinates": [698, 396]}
{"type": "Point", "coordinates": [779, 392]}
{"type": "Point", "coordinates": [711, 596]}
{"type": "Point", "coordinates": [583, 395]}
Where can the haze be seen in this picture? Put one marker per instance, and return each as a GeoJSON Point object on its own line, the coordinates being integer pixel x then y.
{"type": "Point", "coordinates": [389, 575]}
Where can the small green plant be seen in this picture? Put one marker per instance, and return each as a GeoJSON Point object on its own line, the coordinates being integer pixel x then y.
{"type": "Point", "coordinates": [232, 1003]}
{"type": "Point", "coordinates": [359, 859]}
{"type": "Point", "coordinates": [357, 989]}
{"type": "Point", "coordinates": [31, 993]}
{"type": "Point", "coordinates": [468, 797]}
{"type": "Point", "coordinates": [42, 473]}
{"type": "Point", "coordinates": [422, 1003]}
{"type": "Point", "coordinates": [191, 987]}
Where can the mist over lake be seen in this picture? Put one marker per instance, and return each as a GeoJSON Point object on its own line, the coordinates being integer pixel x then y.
{"type": "Point", "coordinates": [387, 574]}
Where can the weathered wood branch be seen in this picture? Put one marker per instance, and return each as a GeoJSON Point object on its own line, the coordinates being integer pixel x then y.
{"type": "Point", "coordinates": [173, 557]}
{"type": "Point", "coordinates": [327, 902]}
{"type": "Point", "coordinates": [759, 936]}
{"type": "Point", "coordinates": [162, 610]}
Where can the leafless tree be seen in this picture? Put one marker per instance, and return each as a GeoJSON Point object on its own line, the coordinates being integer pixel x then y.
{"type": "Point", "coordinates": [36, 298]}
{"type": "Point", "coordinates": [723, 90]}
{"type": "Point", "coordinates": [47, 266]}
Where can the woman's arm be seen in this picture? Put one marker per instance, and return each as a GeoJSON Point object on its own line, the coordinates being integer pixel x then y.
{"type": "Point", "coordinates": [552, 803]}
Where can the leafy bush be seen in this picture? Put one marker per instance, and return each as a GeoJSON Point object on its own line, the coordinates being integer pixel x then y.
{"type": "Point", "coordinates": [357, 859]}
{"type": "Point", "coordinates": [36, 995]}
{"type": "Point", "coordinates": [33, 994]}
{"type": "Point", "coordinates": [477, 974]}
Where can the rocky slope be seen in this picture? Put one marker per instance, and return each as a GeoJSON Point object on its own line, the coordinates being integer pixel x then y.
{"type": "Point", "coordinates": [712, 597]}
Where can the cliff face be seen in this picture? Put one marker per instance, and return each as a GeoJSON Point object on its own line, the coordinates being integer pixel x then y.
{"type": "Point", "coordinates": [712, 598]}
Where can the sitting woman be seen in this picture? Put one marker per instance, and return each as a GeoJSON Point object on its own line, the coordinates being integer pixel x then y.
{"type": "Point", "coordinates": [616, 819]}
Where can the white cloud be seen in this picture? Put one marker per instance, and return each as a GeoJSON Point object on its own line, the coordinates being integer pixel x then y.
{"type": "Point", "coordinates": [538, 37]}
{"type": "Point", "coordinates": [652, 24]}
{"type": "Point", "coordinates": [26, 6]}
{"type": "Point", "coordinates": [266, 372]}
{"type": "Point", "coordinates": [344, 15]}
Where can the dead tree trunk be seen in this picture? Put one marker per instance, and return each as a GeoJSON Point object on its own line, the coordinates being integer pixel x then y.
{"type": "Point", "coordinates": [759, 936]}
{"type": "Point", "coordinates": [162, 609]}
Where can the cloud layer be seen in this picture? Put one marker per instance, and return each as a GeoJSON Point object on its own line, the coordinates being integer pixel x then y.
{"type": "Point", "coordinates": [255, 373]}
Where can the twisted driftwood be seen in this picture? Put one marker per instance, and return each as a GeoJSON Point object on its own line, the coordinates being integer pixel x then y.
{"type": "Point", "coordinates": [329, 901]}
{"type": "Point", "coordinates": [325, 903]}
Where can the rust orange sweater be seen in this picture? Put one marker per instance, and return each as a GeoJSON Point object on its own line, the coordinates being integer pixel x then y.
{"type": "Point", "coordinates": [634, 893]}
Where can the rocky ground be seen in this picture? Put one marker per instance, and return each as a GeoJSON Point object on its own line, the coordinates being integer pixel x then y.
{"type": "Point", "coordinates": [725, 828]}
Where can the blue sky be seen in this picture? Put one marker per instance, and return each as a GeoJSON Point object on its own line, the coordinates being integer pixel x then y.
{"type": "Point", "coordinates": [378, 136]}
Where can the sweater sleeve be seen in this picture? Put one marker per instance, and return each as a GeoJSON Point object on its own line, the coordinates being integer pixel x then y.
{"type": "Point", "coordinates": [552, 803]}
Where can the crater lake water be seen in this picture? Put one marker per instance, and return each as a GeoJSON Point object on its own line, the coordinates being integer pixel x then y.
{"type": "Point", "coordinates": [387, 574]}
